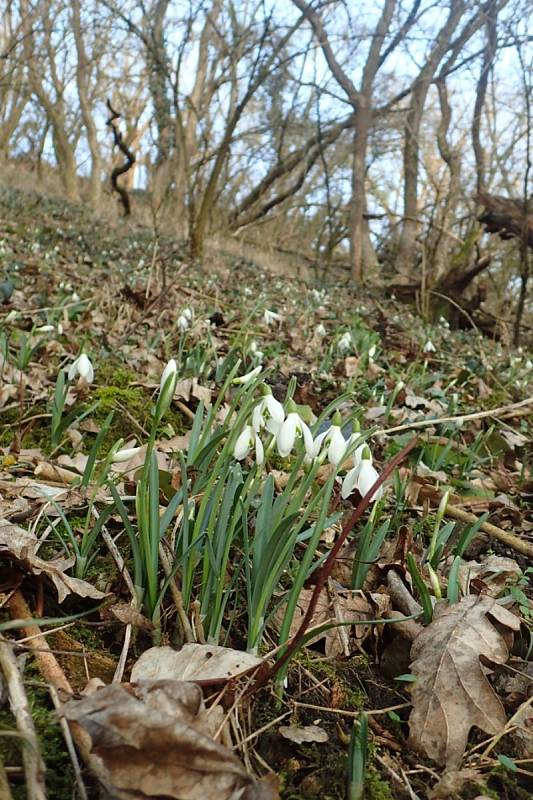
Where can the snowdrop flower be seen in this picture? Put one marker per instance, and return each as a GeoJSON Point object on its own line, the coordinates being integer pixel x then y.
{"type": "Point", "coordinates": [528, 364]}
{"type": "Point", "coordinates": [255, 351]}
{"type": "Point", "coordinates": [82, 367]}
{"type": "Point", "coordinates": [335, 440]}
{"type": "Point", "coordinates": [345, 342]}
{"type": "Point", "coordinates": [245, 379]}
{"type": "Point", "coordinates": [187, 313]}
{"type": "Point", "coordinates": [246, 440]}
{"type": "Point", "coordinates": [429, 347]}
{"type": "Point", "coordinates": [60, 329]}
{"type": "Point", "coordinates": [320, 330]}
{"type": "Point", "coordinates": [170, 369]}
{"type": "Point", "coordinates": [124, 455]}
{"type": "Point", "coordinates": [269, 414]}
{"type": "Point", "coordinates": [11, 317]}
{"type": "Point", "coordinates": [362, 477]}
{"type": "Point", "coordinates": [270, 317]}
{"type": "Point", "coordinates": [292, 428]}
{"type": "Point", "coordinates": [372, 352]}
{"type": "Point", "coordinates": [45, 329]}
{"type": "Point", "coordinates": [75, 297]}
{"type": "Point", "coordinates": [182, 323]}
{"type": "Point", "coordinates": [444, 322]}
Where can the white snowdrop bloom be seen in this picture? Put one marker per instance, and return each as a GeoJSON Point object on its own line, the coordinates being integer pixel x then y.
{"type": "Point", "coordinates": [444, 322]}
{"type": "Point", "coordinates": [187, 313]}
{"type": "Point", "coordinates": [170, 369]}
{"type": "Point", "coordinates": [317, 446]}
{"type": "Point", "coordinates": [320, 330]}
{"type": "Point", "coordinates": [45, 329]}
{"type": "Point", "coordinates": [81, 366]}
{"type": "Point", "coordinates": [345, 342]}
{"type": "Point", "coordinates": [247, 291]}
{"type": "Point", "coordinates": [270, 317]}
{"type": "Point", "coordinates": [75, 297]}
{"type": "Point", "coordinates": [366, 478]}
{"type": "Point", "coordinates": [255, 351]}
{"type": "Point", "coordinates": [245, 379]}
{"type": "Point", "coordinates": [125, 454]}
{"type": "Point", "coordinates": [269, 414]}
{"type": "Point", "coordinates": [60, 329]}
{"type": "Point", "coordinates": [429, 347]}
{"type": "Point", "coordinates": [372, 352]}
{"type": "Point", "coordinates": [362, 477]}
{"type": "Point", "coordinates": [292, 428]}
{"type": "Point", "coordinates": [182, 323]}
{"type": "Point", "coordinates": [247, 439]}
{"type": "Point", "coordinates": [528, 364]}
{"type": "Point", "coordinates": [335, 440]}
{"type": "Point", "coordinates": [11, 317]}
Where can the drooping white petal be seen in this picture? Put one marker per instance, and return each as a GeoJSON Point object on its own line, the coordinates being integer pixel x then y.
{"type": "Point", "coordinates": [287, 434]}
{"type": "Point", "coordinates": [243, 443]}
{"type": "Point", "coordinates": [270, 317]}
{"type": "Point", "coordinates": [317, 444]}
{"type": "Point", "coordinates": [429, 347]}
{"type": "Point", "coordinates": [85, 368]}
{"type": "Point", "coordinates": [349, 483]}
{"type": "Point", "coordinates": [258, 419]}
{"type": "Point", "coordinates": [274, 408]}
{"type": "Point", "coordinates": [182, 323]}
{"type": "Point", "coordinates": [337, 445]}
{"type": "Point", "coordinates": [249, 376]}
{"type": "Point", "coordinates": [73, 371]}
{"type": "Point", "coordinates": [307, 437]}
{"type": "Point", "coordinates": [81, 366]}
{"type": "Point", "coordinates": [259, 450]}
{"type": "Point", "coordinates": [366, 478]}
{"type": "Point", "coordinates": [125, 455]}
{"type": "Point", "coordinates": [170, 369]}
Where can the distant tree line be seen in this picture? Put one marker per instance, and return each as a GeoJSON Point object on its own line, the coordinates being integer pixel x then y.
{"type": "Point", "coordinates": [361, 134]}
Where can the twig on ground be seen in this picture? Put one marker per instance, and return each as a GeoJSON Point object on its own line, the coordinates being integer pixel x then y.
{"type": "Point", "coordinates": [509, 539]}
{"type": "Point", "coordinates": [34, 767]}
{"type": "Point", "coordinates": [400, 595]}
{"type": "Point", "coordinates": [63, 724]}
{"type": "Point", "coordinates": [121, 666]}
{"type": "Point", "coordinates": [424, 423]}
{"type": "Point", "coordinates": [408, 628]}
{"type": "Point", "coordinates": [5, 791]}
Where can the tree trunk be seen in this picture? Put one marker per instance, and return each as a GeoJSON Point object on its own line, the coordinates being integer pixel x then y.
{"type": "Point", "coordinates": [358, 225]}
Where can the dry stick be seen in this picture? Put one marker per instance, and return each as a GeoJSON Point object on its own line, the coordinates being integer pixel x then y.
{"type": "Point", "coordinates": [176, 596]}
{"type": "Point", "coordinates": [424, 423]}
{"type": "Point", "coordinates": [54, 675]}
{"type": "Point", "coordinates": [5, 791]}
{"type": "Point", "coordinates": [324, 572]}
{"type": "Point", "coordinates": [34, 767]}
{"type": "Point", "coordinates": [521, 546]}
{"type": "Point", "coordinates": [70, 745]}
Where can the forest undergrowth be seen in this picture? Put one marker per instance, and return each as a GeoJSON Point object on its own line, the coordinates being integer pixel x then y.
{"type": "Point", "coordinates": [258, 539]}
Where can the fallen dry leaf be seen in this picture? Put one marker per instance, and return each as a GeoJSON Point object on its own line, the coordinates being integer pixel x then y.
{"type": "Point", "coordinates": [452, 693]}
{"type": "Point", "coordinates": [22, 546]}
{"type": "Point", "coordinates": [310, 733]}
{"type": "Point", "coordinates": [494, 571]}
{"type": "Point", "coordinates": [194, 662]}
{"type": "Point", "coordinates": [344, 606]}
{"type": "Point", "coordinates": [154, 740]}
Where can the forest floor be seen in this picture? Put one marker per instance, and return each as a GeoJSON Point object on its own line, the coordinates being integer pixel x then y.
{"type": "Point", "coordinates": [190, 563]}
